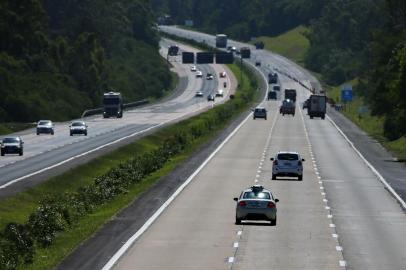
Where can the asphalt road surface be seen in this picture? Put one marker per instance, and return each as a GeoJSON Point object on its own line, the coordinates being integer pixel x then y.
{"type": "Point", "coordinates": [340, 215]}
{"type": "Point", "coordinates": [45, 153]}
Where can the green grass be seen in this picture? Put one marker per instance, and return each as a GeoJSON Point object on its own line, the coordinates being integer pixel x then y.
{"type": "Point", "coordinates": [18, 208]}
{"type": "Point", "coordinates": [372, 125]}
{"type": "Point", "coordinates": [292, 44]}
{"type": "Point", "coordinates": [7, 128]}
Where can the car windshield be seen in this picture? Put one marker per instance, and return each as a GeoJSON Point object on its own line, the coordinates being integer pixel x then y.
{"type": "Point", "coordinates": [256, 195]}
{"type": "Point", "coordinates": [11, 140]}
{"type": "Point", "coordinates": [288, 156]}
{"type": "Point", "coordinates": [111, 101]}
{"type": "Point", "coordinates": [77, 124]}
{"type": "Point", "coordinates": [44, 123]}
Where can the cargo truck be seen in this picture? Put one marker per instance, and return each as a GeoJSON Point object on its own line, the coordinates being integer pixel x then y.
{"type": "Point", "coordinates": [112, 105]}
{"type": "Point", "coordinates": [290, 94]}
{"type": "Point", "coordinates": [221, 41]}
{"type": "Point", "coordinates": [316, 106]}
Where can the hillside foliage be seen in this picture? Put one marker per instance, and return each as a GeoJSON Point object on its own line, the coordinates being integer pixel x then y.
{"type": "Point", "coordinates": [58, 57]}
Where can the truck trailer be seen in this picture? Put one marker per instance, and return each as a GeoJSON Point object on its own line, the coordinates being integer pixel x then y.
{"type": "Point", "coordinates": [221, 41]}
{"type": "Point", "coordinates": [316, 106]}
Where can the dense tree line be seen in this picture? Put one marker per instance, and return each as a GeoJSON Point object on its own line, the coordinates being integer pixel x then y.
{"type": "Point", "coordinates": [349, 39]}
{"type": "Point", "coordinates": [58, 57]}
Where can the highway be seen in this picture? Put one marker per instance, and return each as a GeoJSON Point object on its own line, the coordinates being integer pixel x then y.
{"type": "Point", "coordinates": [341, 216]}
{"type": "Point", "coordinates": [46, 153]}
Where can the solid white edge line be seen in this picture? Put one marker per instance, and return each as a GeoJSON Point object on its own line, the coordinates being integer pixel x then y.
{"type": "Point", "coordinates": [149, 222]}
{"type": "Point", "coordinates": [113, 260]}
{"type": "Point", "coordinates": [380, 177]}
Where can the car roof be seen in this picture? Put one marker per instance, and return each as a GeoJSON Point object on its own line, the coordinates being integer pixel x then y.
{"type": "Point", "coordinates": [288, 152]}
{"type": "Point", "coordinates": [259, 188]}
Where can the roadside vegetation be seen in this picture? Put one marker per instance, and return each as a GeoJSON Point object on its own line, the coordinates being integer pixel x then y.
{"type": "Point", "coordinates": [42, 225]}
{"type": "Point", "coordinates": [292, 44]}
{"type": "Point", "coordinates": [57, 58]}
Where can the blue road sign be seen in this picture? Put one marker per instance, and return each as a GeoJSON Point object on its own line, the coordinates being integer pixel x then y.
{"type": "Point", "coordinates": [346, 93]}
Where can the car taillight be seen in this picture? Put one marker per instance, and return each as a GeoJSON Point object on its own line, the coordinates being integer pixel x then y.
{"type": "Point", "coordinates": [275, 162]}
{"type": "Point", "coordinates": [242, 203]}
{"type": "Point", "coordinates": [271, 205]}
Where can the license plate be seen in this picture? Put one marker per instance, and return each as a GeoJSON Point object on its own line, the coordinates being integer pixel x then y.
{"type": "Point", "coordinates": [287, 164]}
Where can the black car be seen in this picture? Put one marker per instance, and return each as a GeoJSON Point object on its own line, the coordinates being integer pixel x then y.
{"type": "Point", "coordinates": [260, 112]}
{"type": "Point", "coordinates": [272, 95]}
{"type": "Point", "coordinates": [273, 77]}
{"type": "Point", "coordinates": [287, 107]}
{"type": "Point", "coordinates": [12, 145]}
{"type": "Point", "coordinates": [258, 63]}
{"type": "Point", "coordinates": [210, 97]}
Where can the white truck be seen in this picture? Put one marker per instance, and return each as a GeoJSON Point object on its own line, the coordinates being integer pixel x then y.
{"type": "Point", "coordinates": [316, 106]}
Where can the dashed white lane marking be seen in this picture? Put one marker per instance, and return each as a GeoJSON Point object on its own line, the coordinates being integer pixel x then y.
{"type": "Point", "coordinates": [325, 200]}
{"type": "Point", "coordinates": [235, 245]}
{"type": "Point", "coordinates": [230, 259]}
{"type": "Point", "coordinates": [339, 248]}
{"type": "Point", "coordinates": [330, 216]}
{"type": "Point", "coordinates": [334, 235]}
{"type": "Point", "coordinates": [332, 225]}
{"type": "Point", "coordinates": [323, 194]}
{"type": "Point", "coordinates": [320, 182]}
{"type": "Point", "coordinates": [239, 233]}
{"type": "Point", "coordinates": [343, 263]}
{"type": "Point", "coordinates": [327, 207]}
{"type": "Point", "coordinates": [321, 187]}
{"type": "Point", "coordinates": [113, 260]}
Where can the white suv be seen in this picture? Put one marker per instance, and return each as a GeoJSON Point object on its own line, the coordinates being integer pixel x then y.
{"type": "Point", "coordinates": [287, 164]}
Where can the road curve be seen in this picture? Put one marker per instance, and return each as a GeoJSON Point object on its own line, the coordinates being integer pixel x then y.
{"type": "Point", "coordinates": [340, 216]}
{"type": "Point", "coordinates": [46, 155]}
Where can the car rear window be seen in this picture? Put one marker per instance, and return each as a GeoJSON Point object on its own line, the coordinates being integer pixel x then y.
{"type": "Point", "coordinates": [11, 140]}
{"type": "Point", "coordinates": [258, 195]}
{"type": "Point", "coordinates": [287, 156]}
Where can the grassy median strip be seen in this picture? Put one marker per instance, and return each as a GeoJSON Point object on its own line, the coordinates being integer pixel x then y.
{"type": "Point", "coordinates": [41, 226]}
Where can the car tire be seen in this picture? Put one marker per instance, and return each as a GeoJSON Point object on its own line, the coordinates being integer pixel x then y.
{"type": "Point", "coordinates": [311, 117]}
{"type": "Point", "coordinates": [21, 153]}
{"type": "Point", "coordinates": [237, 221]}
{"type": "Point", "coordinates": [37, 133]}
{"type": "Point", "coordinates": [300, 177]}
{"type": "Point", "coordinates": [273, 176]}
{"type": "Point", "coordinates": [265, 118]}
{"type": "Point", "coordinates": [52, 133]}
{"type": "Point", "coordinates": [2, 153]}
{"type": "Point", "coordinates": [71, 134]}
{"type": "Point", "coordinates": [85, 133]}
{"type": "Point", "coordinates": [273, 222]}
{"type": "Point", "coordinates": [322, 117]}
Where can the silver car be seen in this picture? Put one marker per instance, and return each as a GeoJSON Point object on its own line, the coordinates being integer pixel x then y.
{"type": "Point", "coordinates": [45, 126]}
{"type": "Point", "coordinates": [287, 164]}
{"type": "Point", "coordinates": [78, 127]}
{"type": "Point", "coordinates": [256, 203]}
{"type": "Point", "coordinates": [12, 145]}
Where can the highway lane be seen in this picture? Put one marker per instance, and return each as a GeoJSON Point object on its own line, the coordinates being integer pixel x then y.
{"type": "Point", "coordinates": [197, 230]}
{"type": "Point", "coordinates": [341, 207]}
{"type": "Point", "coordinates": [44, 151]}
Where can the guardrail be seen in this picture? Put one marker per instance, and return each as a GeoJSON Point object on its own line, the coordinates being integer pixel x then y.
{"type": "Point", "coordinates": [91, 112]}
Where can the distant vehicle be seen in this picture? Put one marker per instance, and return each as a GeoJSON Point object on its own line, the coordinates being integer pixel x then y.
{"type": "Point", "coordinates": [260, 112]}
{"type": "Point", "coordinates": [222, 74]}
{"type": "Point", "coordinates": [287, 107]}
{"type": "Point", "coordinates": [45, 126]}
{"type": "Point", "coordinates": [12, 145]}
{"type": "Point", "coordinates": [256, 203]}
{"type": "Point", "coordinates": [113, 105]}
{"type": "Point", "coordinates": [173, 50]}
{"type": "Point", "coordinates": [199, 94]}
{"type": "Point", "coordinates": [193, 68]}
{"type": "Point", "coordinates": [290, 94]}
{"type": "Point", "coordinates": [78, 127]}
{"type": "Point", "coordinates": [305, 104]}
{"type": "Point", "coordinates": [210, 97]}
{"type": "Point", "coordinates": [272, 95]}
{"type": "Point", "coordinates": [245, 52]}
{"type": "Point", "coordinates": [221, 41]}
{"type": "Point", "coordinates": [287, 164]}
{"type": "Point", "coordinates": [273, 77]}
{"type": "Point", "coordinates": [259, 45]}
{"type": "Point", "coordinates": [276, 88]}
{"type": "Point", "coordinates": [316, 106]}
{"type": "Point", "coordinates": [199, 74]}
{"type": "Point", "coordinates": [219, 93]}
{"type": "Point", "coordinates": [257, 63]}
{"type": "Point", "coordinates": [209, 76]}
{"type": "Point", "coordinates": [224, 84]}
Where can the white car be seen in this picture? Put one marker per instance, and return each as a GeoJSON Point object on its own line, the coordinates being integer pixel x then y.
{"type": "Point", "coordinates": [199, 94]}
{"type": "Point", "coordinates": [78, 127]}
{"type": "Point", "coordinates": [209, 76]}
{"type": "Point", "coordinates": [256, 203]}
{"type": "Point", "coordinates": [220, 93]}
{"type": "Point", "coordinates": [223, 74]}
{"type": "Point", "coordinates": [193, 68]}
{"type": "Point", "coordinates": [45, 126]}
{"type": "Point", "coordinates": [287, 164]}
{"type": "Point", "coordinates": [199, 74]}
